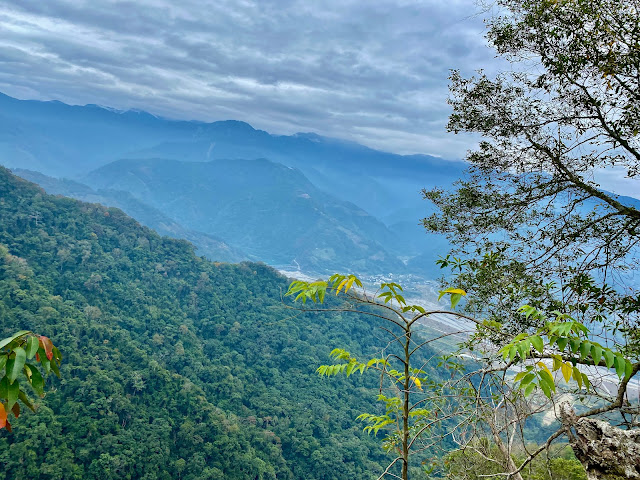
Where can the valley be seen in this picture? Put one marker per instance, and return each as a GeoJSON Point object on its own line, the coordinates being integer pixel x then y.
{"type": "Point", "coordinates": [236, 192]}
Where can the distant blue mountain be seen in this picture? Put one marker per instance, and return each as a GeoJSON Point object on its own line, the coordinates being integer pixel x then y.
{"type": "Point", "coordinates": [69, 141]}
{"type": "Point", "coordinates": [266, 209]}
{"type": "Point", "coordinates": [351, 182]}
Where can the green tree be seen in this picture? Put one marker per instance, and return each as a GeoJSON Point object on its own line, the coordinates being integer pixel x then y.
{"type": "Point", "coordinates": [538, 228]}
{"type": "Point", "coordinates": [418, 408]}
{"type": "Point", "coordinates": [569, 109]}
{"type": "Point", "coordinates": [489, 392]}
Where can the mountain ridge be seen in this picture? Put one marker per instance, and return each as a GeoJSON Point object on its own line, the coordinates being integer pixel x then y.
{"type": "Point", "coordinates": [173, 366]}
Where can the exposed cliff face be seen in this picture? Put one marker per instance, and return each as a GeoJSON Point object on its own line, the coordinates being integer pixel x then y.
{"type": "Point", "coordinates": [607, 452]}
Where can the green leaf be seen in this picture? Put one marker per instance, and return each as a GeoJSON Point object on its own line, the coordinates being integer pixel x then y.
{"type": "Point", "coordinates": [596, 354]}
{"type": "Point", "coordinates": [621, 365]}
{"type": "Point", "coordinates": [527, 310]}
{"type": "Point", "coordinates": [6, 341]}
{"type": "Point", "coordinates": [545, 377]}
{"type": "Point", "coordinates": [628, 370]}
{"type": "Point", "coordinates": [505, 352]}
{"type": "Point", "coordinates": [545, 389]}
{"type": "Point", "coordinates": [519, 376]}
{"type": "Point", "coordinates": [455, 299]}
{"type": "Point", "coordinates": [528, 378]}
{"type": "Point", "coordinates": [585, 348]}
{"type": "Point", "coordinates": [524, 348]}
{"type": "Point", "coordinates": [537, 343]}
{"type": "Point", "coordinates": [575, 344]}
{"type": "Point", "coordinates": [23, 398]}
{"type": "Point", "coordinates": [37, 382]}
{"type": "Point", "coordinates": [32, 347]}
{"type": "Point", "coordinates": [3, 360]}
{"type": "Point", "coordinates": [56, 354]}
{"type": "Point", "coordinates": [4, 386]}
{"type": "Point", "coordinates": [609, 357]}
{"type": "Point", "coordinates": [530, 388]}
{"type": "Point", "coordinates": [562, 343]}
{"type": "Point", "coordinates": [15, 364]}
{"type": "Point", "coordinates": [13, 389]}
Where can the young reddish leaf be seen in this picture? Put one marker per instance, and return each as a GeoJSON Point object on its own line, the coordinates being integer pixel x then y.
{"type": "Point", "coordinates": [16, 409]}
{"type": "Point", "coordinates": [47, 345]}
{"type": "Point", "coordinates": [3, 416]}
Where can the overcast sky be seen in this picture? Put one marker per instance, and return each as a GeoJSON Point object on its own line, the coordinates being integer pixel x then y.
{"type": "Point", "coordinates": [371, 71]}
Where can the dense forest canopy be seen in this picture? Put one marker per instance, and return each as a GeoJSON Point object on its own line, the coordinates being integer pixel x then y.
{"type": "Point", "coordinates": [173, 366]}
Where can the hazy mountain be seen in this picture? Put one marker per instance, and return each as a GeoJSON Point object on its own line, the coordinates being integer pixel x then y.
{"type": "Point", "coordinates": [268, 210]}
{"type": "Point", "coordinates": [212, 247]}
{"type": "Point", "coordinates": [70, 141]}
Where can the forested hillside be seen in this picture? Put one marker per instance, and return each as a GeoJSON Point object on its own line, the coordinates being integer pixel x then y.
{"type": "Point", "coordinates": [210, 246]}
{"type": "Point", "coordinates": [270, 211]}
{"type": "Point", "coordinates": [174, 366]}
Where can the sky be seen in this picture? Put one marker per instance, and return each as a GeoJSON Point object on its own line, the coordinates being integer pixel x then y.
{"type": "Point", "coordinates": [370, 71]}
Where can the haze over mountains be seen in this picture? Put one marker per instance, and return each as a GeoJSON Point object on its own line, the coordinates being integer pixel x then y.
{"type": "Point", "coordinates": [301, 201]}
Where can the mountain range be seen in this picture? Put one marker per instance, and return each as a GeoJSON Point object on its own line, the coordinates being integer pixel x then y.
{"type": "Point", "coordinates": [302, 201]}
{"type": "Point", "coordinates": [173, 366]}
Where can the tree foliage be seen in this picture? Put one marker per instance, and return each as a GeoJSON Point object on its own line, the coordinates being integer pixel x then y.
{"type": "Point", "coordinates": [544, 252]}
{"type": "Point", "coordinates": [491, 393]}
{"type": "Point", "coordinates": [569, 109]}
{"type": "Point", "coordinates": [413, 397]}
{"type": "Point", "coordinates": [17, 354]}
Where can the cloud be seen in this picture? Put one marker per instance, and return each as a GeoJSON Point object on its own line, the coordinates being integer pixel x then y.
{"type": "Point", "coordinates": [374, 72]}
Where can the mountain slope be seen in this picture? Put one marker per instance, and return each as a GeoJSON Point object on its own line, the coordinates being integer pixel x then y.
{"type": "Point", "coordinates": [174, 367]}
{"type": "Point", "coordinates": [67, 141]}
{"type": "Point", "coordinates": [70, 141]}
{"type": "Point", "coordinates": [210, 246]}
{"type": "Point", "coordinates": [270, 211]}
